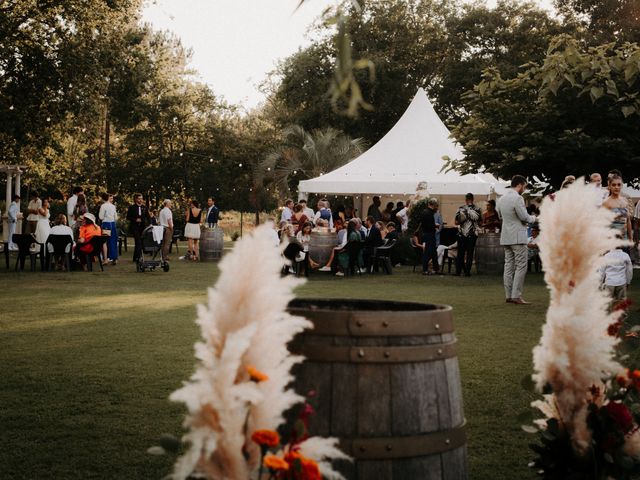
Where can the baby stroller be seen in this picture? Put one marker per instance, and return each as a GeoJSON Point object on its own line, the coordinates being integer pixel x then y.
{"type": "Point", "coordinates": [151, 256]}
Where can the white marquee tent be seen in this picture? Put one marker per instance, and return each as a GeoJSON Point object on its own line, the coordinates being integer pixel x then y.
{"type": "Point", "coordinates": [408, 156]}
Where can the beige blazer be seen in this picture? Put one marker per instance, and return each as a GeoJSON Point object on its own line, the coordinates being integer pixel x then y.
{"type": "Point", "coordinates": [515, 219]}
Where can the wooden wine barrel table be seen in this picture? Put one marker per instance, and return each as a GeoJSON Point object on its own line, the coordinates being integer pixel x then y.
{"type": "Point", "coordinates": [321, 245]}
{"type": "Point", "coordinates": [387, 384]}
{"type": "Point", "coordinates": [211, 243]}
{"type": "Point", "coordinates": [489, 254]}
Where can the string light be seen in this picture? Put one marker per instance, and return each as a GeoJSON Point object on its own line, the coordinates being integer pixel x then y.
{"type": "Point", "coordinates": [11, 107]}
{"type": "Point", "coordinates": [240, 165]}
{"type": "Point", "coordinates": [211, 160]}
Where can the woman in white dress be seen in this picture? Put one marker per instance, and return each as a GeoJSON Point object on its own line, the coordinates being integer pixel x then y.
{"type": "Point", "coordinates": [42, 227]}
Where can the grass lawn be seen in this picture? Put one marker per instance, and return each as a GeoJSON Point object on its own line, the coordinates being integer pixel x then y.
{"type": "Point", "coordinates": [89, 359]}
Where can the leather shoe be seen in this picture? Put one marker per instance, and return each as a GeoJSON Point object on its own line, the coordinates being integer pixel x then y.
{"type": "Point", "coordinates": [509, 300]}
{"type": "Point", "coordinates": [520, 301]}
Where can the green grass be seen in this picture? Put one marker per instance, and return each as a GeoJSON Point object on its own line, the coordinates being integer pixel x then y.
{"type": "Point", "coordinates": [89, 359]}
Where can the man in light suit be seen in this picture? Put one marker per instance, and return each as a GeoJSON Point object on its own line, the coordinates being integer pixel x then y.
{"type": "Point", "coordinates": [513, 237]}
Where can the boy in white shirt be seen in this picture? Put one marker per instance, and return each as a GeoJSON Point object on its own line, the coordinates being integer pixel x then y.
{"type": "Point", "coordinates": [617, 274]}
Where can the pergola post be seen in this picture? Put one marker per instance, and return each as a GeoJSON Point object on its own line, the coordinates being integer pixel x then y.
{"type": "Point", "coordinates": [5, 214]}
{"type": "Point", "coordinates": [10, 171]}
{"type": "Point", "coordinates": [16, 189]}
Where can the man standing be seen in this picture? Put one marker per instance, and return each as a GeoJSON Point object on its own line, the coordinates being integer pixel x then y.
{"type": "Point", "coordinates": [211, 219]}
{"type": "Point", "coordinates": [71, 205]}
{"type": "Point", "coordinates": [403, 216]}
{"type": "Point", "coordinates": [165, 218]}
{"type": "Point", "coordinates": [429, 228]}
{"type": "Point", "coordinates": [35, 204]}
{"type": "Point", "coordinates": [467, 218]}
{"type": "Point", "coordinates": [287, 211]}
{"type": "Point", "coordinates": [306, 210]}
{"type": "Point", "coordinates": [12, 214]}
{"type": "Point", "coordinates": [513, 237]}
{"type": "Point", "coordinates": [373, 239]}
{"type": "Point", "coordinates": [138, 218]}
{"type": "Point", "coordinates": [374, 209]}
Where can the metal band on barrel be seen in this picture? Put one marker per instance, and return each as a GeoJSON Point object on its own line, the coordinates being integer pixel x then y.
{"type": "Point", "coordinates": [387, 448]}
{"type": "Point", "coordinates": [366, 354]}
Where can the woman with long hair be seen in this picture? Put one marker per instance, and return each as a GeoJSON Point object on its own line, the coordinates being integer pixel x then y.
{"type": "Point", "coordinates": [192, 229]}
{"type": "Point", "coordinates": [620, 206]}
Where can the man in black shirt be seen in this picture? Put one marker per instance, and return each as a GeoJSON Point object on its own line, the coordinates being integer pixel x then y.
{"type": "Point", "coordinates": [374, 209]}
{"type": "Point", "coordinates": [429, 227]}
{"type": "Point", "coordinates": [138, 217]}
{"type": "Point", "coordinates": [372, 240]}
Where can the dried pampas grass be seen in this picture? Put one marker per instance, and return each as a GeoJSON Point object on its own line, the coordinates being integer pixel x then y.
{"type": "Point", "coordinates": [575, 351]}
{"type": "Point", "coordinates": [245, 324]}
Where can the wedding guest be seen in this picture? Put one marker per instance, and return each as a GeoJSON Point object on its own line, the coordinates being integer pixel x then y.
{"type": "Point", "coordinates": [305, 208]}
{"type": "Point", "coordinates": [299, 218]}
{"type": "Point", "coordinates": [373, 239]}
{"type": "Point", "coordinates": [374, 209]}
{"type": "Point", "coordinates": [304, 236]}
{"type": "Point", "coordinates": [616, 274]}
{"type": "Point", "coordinates": [403, 217]}
{"type": "Point", "coordinates": [275, 238]}
{"type": "Point", "coordinates": [383, 230]}
{"type": "Point", "coordinates": [388, 214]}
{"type": "Point", "coordinates": [60, 226]}
{"type": "Point", "coordinates": [32, 211]}
{"type": "Point", "coordinates": [440, 225]}
{"type": "Point", "coordinates": [532, 242]}
{"type": "Point", "coordinates": [429, 228]}
{"type": "Point", "coordinates": [212, 214]}
{"type": "Point", "coordinates": [86, 232]}
{"type": "Point", "coordinates": [43, 228]}
{"type": "Point", "coordinates": [138, 217]}
{"type": "Point", "coordinates": [490, 219]}
{"type": "Point", "coordinates": [166, 220]}
{"type": "Point", "coordinates": [71, 205]}
{"type": "Point", "coordinates": [12, 215]}
{"type": "Point", "coordinates": [324, 213]}
{"type": "Point", "coordinates": [568, 181]}
{"type": "Point", "coordinates": [620, 206]}
{"type": "Point", "coordinates": [595, 179]}
{"type": "Point", "coordinates": [392, 233]}
{"type": "Point", "coordinates": [467, 218]}
{"type": "Point", "coordinates": [339, 213]}
{"type": "Point", "coordinates": [192, 229]}
{"type": "Point", "coordinates": [108, 216]}
{"type": "Point", "coordinates": [287, 211]}
{"type": "Point", "coordinates": [78, 211]}
{"type": "Point", "coordinates": [513, 237]}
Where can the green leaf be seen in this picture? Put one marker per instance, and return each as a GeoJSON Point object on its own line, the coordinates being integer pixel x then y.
{"type": "Point", "coordinates": [596, 93]}
{"type": "Point", "coordinates": [626, 111]}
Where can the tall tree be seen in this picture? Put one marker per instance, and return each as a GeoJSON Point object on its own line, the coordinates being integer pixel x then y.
{"type": "Point", "coordinates": [604, 20]}
{"type": "Point", "coordinates": [575, 113]}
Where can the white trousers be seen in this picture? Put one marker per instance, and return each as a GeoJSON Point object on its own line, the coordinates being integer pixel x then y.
{"type": "Point", "coordinates": [12, 230]}
{"type": "Point", "coordinates": [515, 269]}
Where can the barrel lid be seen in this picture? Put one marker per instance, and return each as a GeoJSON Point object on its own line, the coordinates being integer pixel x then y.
{"type": "Point", "coordinates": [372, 318]}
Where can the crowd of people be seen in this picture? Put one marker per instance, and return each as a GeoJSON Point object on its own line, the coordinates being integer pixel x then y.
{"type": "Point", "coordinates": [83, 222]}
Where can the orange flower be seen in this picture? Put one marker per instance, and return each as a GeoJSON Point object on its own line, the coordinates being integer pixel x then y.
{"type": "Point", "coordinates": [310, 469]}
{"type": "Point", "coordinates": [256, 375]}
{"type": "Point", "coordinates": [274, 463]}
{"type": "Point", "coordinates": [266, 438]}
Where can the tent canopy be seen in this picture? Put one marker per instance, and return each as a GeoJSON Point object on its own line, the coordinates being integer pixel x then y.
{"type": "Point", "coordinates": [408, 156]}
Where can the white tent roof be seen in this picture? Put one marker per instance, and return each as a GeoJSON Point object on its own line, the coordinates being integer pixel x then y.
{"type": "Point", "coordinates": [408, 155]}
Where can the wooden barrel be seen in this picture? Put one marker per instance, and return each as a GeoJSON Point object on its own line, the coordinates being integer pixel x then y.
{"type": "Point", "coordinates": [211, 243]}
{"type": "Point", "coordinates": [387, 384]}
{"type": "Point", "coordinates": [321, 245]}
{"type": "Point", "coordinates": [489, 254]}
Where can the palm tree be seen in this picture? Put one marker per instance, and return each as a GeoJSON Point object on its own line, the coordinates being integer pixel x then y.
{"type": "Point", "coordinates": [304, 155]}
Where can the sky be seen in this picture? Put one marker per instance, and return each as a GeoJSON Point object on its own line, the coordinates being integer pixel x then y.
{"type": "Point", "coordinates": [235, 43]}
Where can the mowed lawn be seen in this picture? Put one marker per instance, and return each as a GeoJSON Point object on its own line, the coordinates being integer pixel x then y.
{"type": "Point", "coordinates": [89, 359]}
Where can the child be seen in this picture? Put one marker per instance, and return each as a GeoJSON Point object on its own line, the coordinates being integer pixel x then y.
{"type": "Point", "coordinates": [617, 274]}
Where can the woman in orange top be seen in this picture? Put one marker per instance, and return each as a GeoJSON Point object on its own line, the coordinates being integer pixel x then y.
{"type": "Point", "coordinates": [88, 230]}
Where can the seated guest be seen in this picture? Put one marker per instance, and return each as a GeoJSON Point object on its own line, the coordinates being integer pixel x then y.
{"type": "Point", "coordinates": [348, 213]}
{"type": "Point", "coordinates": [87, 231]}
{"type": "Point", "coordinates": [341, 243]}
{"type": "Point", "coordinates": [304, 236]}
{"type": "Point", "coordinates": [321, 225]}
{"type": "Point", "coordinates": [392, 233]}
{"type": "Point", "coordinates": [451, 251]}
{"type": "Point", "coordinates": [60, 227]}
{"type": "Point", "coordinates": [323, 213]}
{"type": "Point", "coordinates": [383, 230]}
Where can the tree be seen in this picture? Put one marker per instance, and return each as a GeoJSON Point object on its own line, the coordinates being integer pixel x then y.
{"type": "Point", "coordinates": [576, 113]}
{"type": "Point", "coordinates": [604, 20]}
{"type": "Point", "coordinates": [437, 45]}
{"type": "Point", "coordinates": [303, 155]}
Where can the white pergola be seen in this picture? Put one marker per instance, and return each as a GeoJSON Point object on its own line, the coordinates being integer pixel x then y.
{"type": "Point", "coordinates": [14, 174]}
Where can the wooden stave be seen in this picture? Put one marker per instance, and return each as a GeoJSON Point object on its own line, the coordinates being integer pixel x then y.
{"type": "Point", "coordinates": [372, 399]}
{"type": "Point", "coordinates": [321, 245]}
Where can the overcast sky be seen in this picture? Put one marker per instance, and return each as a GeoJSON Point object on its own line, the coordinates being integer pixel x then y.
{"type": "Point", "coordinates": [236, 43]}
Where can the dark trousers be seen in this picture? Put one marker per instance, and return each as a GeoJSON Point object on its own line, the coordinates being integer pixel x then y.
{"type": "Point", "coordinates": [137, 237]}
{"type": "Point", "coordinates": [466, 247]}
{"type": "Point", "coordinates": [430, 252]}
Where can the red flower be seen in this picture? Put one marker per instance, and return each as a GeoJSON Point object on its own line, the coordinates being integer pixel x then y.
{"type": "Point", "coordinates": [614, 329]}
{"type": "Point", "coordinates": [623, 305]}
{"type": "Point", "coordinates": [266, 438]}
{"type": "Point", "coordinates": [621, 415]}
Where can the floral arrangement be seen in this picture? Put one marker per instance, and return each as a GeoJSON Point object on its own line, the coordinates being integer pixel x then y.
{"type": "Point", "coordinates": [591, 404]}
{"type": "Point", "coordinates": [239, 391]}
